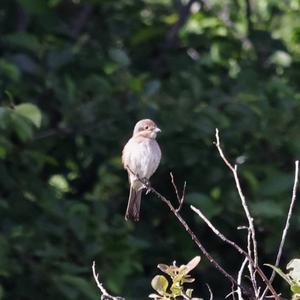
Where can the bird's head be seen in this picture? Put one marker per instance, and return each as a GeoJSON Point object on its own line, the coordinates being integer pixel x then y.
{"type": "Point", "coordinates": [146, 128]}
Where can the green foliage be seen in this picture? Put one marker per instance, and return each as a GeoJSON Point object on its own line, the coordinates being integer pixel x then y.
{"type": "Point", "coordinates": [179, 276]}
{"type": "Point", "coordinates": [30, 112]}
{"type": "Point", "coordinates": [292, 277]}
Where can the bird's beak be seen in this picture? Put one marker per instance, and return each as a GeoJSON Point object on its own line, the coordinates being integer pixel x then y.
{"type": "Point", "coordinates": [157, 130]}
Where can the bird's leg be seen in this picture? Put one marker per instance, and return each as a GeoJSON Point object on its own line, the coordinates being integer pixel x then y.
{"type": "Point", "coordinates": [147, 184]}
{"type": "Point", "coordinates": [145, 181]}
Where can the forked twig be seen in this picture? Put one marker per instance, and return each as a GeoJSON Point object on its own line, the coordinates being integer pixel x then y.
{"type": "Point", "coordinates": [180, 199]}
{"type": "Point", "coordinates": [287, 224]}
{"type": "Point", "coordinates": [105, 295]}
{"type": "Point", "coordinates": [185, 225]}
{"type": "Point", "coordinates": [193, 236]}
{"type": "Point", "coordinates": [238, 248]}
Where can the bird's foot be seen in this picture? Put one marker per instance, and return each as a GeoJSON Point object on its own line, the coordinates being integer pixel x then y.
{"type": "Point", "coordinates": [147, 185]}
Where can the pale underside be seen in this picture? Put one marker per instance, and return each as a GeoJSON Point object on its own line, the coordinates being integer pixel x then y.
{"type": "Point", "coordinates": [142, 157]}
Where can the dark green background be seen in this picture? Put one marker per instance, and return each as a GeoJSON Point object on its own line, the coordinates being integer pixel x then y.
{"type": "Point", "coordinates": [94, 68]}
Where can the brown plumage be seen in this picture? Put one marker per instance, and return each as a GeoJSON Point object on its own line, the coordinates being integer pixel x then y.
{"type": "Point", "coordinates": [141, 156]}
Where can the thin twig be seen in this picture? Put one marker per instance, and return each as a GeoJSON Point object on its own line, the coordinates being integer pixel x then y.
{"type": "Point", "coordinates": [193, 236]}
{"type": "Point", "coordinates": [287, 224]}
{"type": "Point", "coordinates": [180, 199]}
{"type": "Point", "coordinates": [250, 265]}
{"type": "Point", "coordinates": [211, 295]}
{"type": "Point", "coordinates": [243, 200]}
{"type": "Point", "coordinates": [239, 278]}
{"type": "Point", "coordinates": [175, 187]}
{"type": "Point", "coordinates": [186, 227]}
{"type": "Point", "coordinates": [105, 295]}
{"type": "Point", "coordinates": [237, 247]}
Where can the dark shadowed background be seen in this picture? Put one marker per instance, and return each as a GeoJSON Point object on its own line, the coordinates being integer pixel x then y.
{"type": "Point", "coordinates": [92, 69]}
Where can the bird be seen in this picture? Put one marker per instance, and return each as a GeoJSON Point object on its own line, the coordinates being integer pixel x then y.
{"type": "Point", "coordinates": [140, 157]}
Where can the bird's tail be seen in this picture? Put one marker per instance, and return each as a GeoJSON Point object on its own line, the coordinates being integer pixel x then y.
{"type": "Point", "coordinates": [134, 203]}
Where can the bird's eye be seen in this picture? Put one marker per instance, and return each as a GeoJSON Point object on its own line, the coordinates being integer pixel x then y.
{"type": "Point", "coordinates": [146, 127]}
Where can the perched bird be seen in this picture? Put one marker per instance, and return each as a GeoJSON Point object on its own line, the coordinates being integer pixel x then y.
{"type": "Point", "coordinates": [140, 157]}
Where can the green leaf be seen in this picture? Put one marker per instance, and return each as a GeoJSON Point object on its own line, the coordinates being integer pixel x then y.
{"type": "Point", "coordinates": [53, 3]}
{"type": "Point", "coordinates": [22, 127]}
{"type": "Point", "coordinates": [295, 288]}
{"type": "Point", "coordinates": [34, 6]}
{"type": "Point", "coordinates": [294, 267]}
{"type": "Point", "coordinates": [176, 289]}
{"type": "Point", "coordinates": [60, 183]}
{"type": "Point", "coordinates": [276, 184]}
{"type": "Point", "coordinates": [164, 268]}
{"type": "Point", "coordinates": [189, 292]}
{"type": "Point", "coordinates": [1, 292]}
{"type": "Point", "coordinates": [192, 264]}
{"type": "Point", "coordinates": [23, 40]}
{"type": "Point", "coordinates": [79, 284]}
{"type": "Point", "coordinates": [9, 70]}
{"type": "Point", "coordinates": [160, 284]}
{"type": "Point", "coordinates": [280, 272]}
{"type": "Point", "coordinates": [119, 56]}
{"type": "Point", "coordinates": [267, 209]}
{"type": "Point", "coordinates": [209, 206]}
{"type": "Point", "coordinates": [30, 112]}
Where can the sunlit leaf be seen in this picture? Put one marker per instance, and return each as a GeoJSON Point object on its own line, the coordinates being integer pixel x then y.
{"type": "Point", "coordinates": [30, 112]}
{"type": "Point", "coordinates": [160, 284]}
{"type": "Point", "coordinates": [280, 272]}
{"type": "Point", "coordinates": [189, 292]}
{"type": "Point", "coordinates": [294, 270]}
{"type": "Point", "coordinates": [163, 267]}
{"type": "Point", "coordinates": [295, 288]}
{"type": "Point", "coordinates": [192, 264]}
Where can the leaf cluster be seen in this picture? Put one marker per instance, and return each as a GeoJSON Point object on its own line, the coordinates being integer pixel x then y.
{"type": "Point", "coordinates": [178, 276]}
{"type": "Point", "coordinates": [292, 277]}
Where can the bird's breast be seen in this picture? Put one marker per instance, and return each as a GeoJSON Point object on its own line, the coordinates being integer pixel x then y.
{"type": "Point", "coordinates": [142, 157]}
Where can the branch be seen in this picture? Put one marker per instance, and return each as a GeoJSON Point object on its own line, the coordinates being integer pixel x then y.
{"type": "Point", "coordinates": [180, 199]}
{"type": "Point", "coordinates": [211, 295]}
{"type": "Point", "coordinates": [105, 295]}
{"type": "Point", "coordinates": [192, 234]}
{"type": "Point", "coordinates": [287, 224]}
{"type": "Point", "coordinates": [242, 197]}
{"type": "Point", "coordinates": [238, 248]}
{"type": "Point", "coordinates": [239, 279]}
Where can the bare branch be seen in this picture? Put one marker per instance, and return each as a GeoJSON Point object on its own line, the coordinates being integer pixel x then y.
{"type": "Point", "coordinates": [287, 224]}
{"type": "Point", "coordinates": [239, 278]}
{"type": "Point", "coordinates": [175, 187]}
{"type": "Point", "coordinates": [193, 236]}
{"type": "Point", "coordinates": [241, 195]}
{"type": "Point", "coordinates": [105, 295]}
{"type": "Point", "coordinates": [180, 199]}
{"type": "Point", "coordinates": [238, 248]}
{"type": "Point", "coordinates": [211, 295]}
